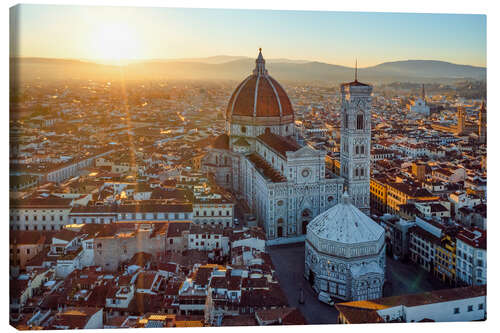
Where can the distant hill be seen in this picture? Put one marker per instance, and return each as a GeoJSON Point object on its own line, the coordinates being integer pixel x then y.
{"type": "Point", "coordinates": [237, 68]}
{"type": "Point", "coordinates": [429, 68]}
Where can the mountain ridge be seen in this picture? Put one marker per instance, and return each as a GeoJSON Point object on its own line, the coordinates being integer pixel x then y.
{"type": "Point", "coordinates": [236, 68]}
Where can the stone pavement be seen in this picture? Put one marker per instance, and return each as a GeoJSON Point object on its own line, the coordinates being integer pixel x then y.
{"type": "Point", "coordinates": [288, 261]}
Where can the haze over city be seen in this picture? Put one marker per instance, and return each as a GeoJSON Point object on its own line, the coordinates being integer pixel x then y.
{"type": "Point", "coordinates": [120, 34]}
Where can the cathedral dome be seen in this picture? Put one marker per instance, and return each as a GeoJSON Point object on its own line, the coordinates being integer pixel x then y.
{"type": "Point", "coordinates": [345, 226]}
{"type": "Point", "coordinates": [260, 96]}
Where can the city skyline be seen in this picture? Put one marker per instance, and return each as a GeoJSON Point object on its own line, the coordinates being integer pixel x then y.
{"type": "Point", "coordinates": [139, 33]}
{"type": "Point", "coordinates": [216, 191]}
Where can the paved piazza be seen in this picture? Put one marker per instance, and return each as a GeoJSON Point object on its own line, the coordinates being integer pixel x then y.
{"type": "Point", "coordinates": [289, 263]}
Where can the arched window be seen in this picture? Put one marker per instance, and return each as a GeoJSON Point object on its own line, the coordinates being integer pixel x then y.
{"type": "Point", "coordinates": [362, 171]}
{"type": "Point", "coordinates": [357, 149]}
{"type": "Point", "coordinates": [356, 172]}
{"type": "Point", "coordinates": [362, 149]}
{"type": "Point", "coordinates": [243, 129]}
{"type": "Point", "coordinates": [359, 122]}
{"type": "Point", "coordinates": [346, 121]}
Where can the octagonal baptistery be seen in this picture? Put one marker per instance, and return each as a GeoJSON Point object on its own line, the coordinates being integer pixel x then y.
{"type": "Point", "coordinates": [259, 103]}
{"type": "Point", "coordinates": [345, 253]}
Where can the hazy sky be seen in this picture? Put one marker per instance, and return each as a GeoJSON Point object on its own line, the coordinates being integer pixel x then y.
{"type": "Point", "coordinates": [334, 37]}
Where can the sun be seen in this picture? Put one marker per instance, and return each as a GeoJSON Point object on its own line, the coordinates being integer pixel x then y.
{"type": "Point", "coordinates": [115, 42]}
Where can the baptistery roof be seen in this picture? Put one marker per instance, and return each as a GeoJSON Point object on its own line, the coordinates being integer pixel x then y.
{"type": "Point", "coordinates": [345, 224]}
{"type": "Point", "coordinates": [259, 95]}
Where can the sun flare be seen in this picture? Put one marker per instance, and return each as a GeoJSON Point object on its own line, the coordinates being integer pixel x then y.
{"type": "Point", "coordinates": [115, 42]}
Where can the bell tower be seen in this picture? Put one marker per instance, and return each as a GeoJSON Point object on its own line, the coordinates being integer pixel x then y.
{"type": "Point", "coordinates": [482, 123]}
{"type": "Point", "coordinates": [355, 136]}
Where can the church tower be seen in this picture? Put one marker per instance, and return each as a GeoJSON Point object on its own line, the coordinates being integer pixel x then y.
{"type": "Point", "coordinates": [460, 120]}
{"type": "Point", "coordinates": [482, 123]}
{"type": "Point", "coordinates": [355, 141]}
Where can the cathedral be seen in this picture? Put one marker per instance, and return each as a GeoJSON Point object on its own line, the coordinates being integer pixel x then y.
{"type": "Point", "coordinates": [285, 184]}
{"type": "Point", "coordinates": [419, 105]}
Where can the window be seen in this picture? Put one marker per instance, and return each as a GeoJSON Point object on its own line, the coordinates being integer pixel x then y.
{"type": "Point", "coordinates": [480, 306]}
{"type": "Point", "coordinates": [456, 310]}
{"type": "Point", "coordinates": [243, 129]}
{"type": "Point", "coordinates": [357, 149]}
{"type": "Point", "coordinates": [346, 121]}
{"type": "Point", "coordinates": [356, 172]}
{"type": "Point", "coordinates": [469, 308]}
{"type": "Point", "coordinates": [359, 122]}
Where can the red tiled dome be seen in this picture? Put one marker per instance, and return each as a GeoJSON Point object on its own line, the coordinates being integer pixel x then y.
{"type": "Point", "coordinates": [259, 95]}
